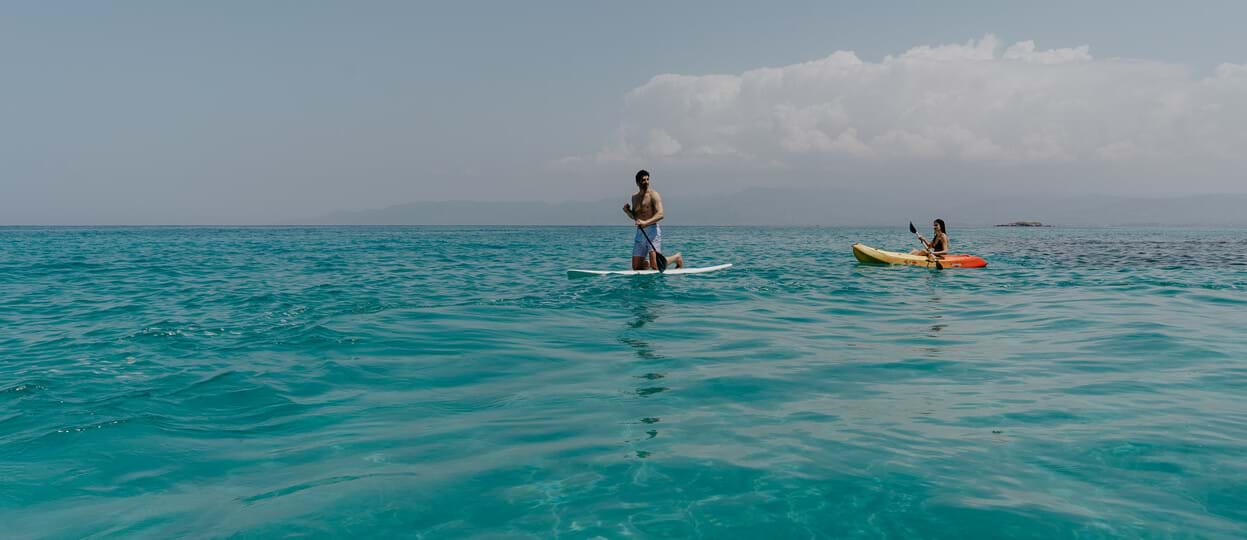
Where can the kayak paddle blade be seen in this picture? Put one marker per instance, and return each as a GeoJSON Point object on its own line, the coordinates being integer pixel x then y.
{"type": "Point", "coordinates": [662, 262]}
{"type": "Point", "coordinates": [912, 229]}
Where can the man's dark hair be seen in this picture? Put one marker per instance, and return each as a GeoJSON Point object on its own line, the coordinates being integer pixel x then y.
{"type": "Point", "coordinates": [641, 174]}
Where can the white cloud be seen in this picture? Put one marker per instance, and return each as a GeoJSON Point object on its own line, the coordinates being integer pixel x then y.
{"type": "Point", "coordinates": [661, 144]}
{"type": "Point", "coordinates": [1025, 52]}
{"type": "Point", "coordinates": [974, 102]}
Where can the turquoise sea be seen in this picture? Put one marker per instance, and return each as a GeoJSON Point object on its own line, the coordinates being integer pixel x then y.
{"type": "Point", "coordinates": [452, 382]}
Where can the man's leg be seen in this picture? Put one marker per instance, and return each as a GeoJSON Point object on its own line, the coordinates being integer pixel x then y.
{"type": "Point", "coordinates": [654, 246]}
{"type": "Point", "coordinates": [640, 253]}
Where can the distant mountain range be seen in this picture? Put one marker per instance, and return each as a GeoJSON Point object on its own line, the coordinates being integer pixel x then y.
{"type": "Point", "coordinates": [820, 207]}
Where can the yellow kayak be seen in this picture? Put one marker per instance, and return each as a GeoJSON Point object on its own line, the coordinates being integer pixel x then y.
{"type": "Point", "coordinates": [868, 254]}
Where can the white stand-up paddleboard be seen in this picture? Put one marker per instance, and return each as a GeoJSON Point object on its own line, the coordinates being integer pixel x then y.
{"type": "Point", "coordinates": [669, 272]}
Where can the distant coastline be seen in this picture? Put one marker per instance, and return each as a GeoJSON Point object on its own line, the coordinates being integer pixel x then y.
{"type": "Point", "coordinates": [801, 207]}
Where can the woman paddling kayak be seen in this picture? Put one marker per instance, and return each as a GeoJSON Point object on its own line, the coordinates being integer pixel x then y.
{"type": "Point", "coordinates": [938, 246]}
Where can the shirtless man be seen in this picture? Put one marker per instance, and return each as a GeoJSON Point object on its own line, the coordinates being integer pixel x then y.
{"type": "Point", "coordinates": [646, 210]}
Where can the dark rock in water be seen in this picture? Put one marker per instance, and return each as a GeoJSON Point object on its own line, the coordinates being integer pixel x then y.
{"type": "Point", "coordinates": [1023, 224]}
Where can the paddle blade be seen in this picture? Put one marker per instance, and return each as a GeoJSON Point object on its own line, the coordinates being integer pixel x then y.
{"type": "Point", "coordinates": [913, 229]}
{"type": "Point", "coordinates": [662, 262]}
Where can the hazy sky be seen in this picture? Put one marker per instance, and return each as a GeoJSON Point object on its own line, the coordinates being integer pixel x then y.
{"type": "Point", "coordinates": [257, 112]}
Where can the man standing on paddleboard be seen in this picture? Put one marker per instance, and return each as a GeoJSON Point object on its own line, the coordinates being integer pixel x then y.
{"type": "Point", "coordinates": [646, 211]}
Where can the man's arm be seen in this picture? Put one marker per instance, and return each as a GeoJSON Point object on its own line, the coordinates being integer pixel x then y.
{"type": "Point", "coordinates": [628, 211]}
{"type": "Point", "coordinates": [657, 212]}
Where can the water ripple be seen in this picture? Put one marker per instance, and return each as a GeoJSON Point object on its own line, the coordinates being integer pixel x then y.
{"type": "Point", "coordinates": [446, 383]}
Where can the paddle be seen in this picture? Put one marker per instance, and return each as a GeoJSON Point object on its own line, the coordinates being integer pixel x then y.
{"type": "Point", "coordinates": [938, 264]}
{"type": "Point", "coordinates": [662, 261]}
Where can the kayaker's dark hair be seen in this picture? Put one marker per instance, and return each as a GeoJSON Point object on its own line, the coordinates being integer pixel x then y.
{"type": "Point", "coordinates": [943, 228]}
{"type": "Point", "coordinates": [641, 174]}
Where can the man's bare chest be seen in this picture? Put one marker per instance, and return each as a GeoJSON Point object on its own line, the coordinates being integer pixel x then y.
{"type": "Point", "coordinates": [643, 203]}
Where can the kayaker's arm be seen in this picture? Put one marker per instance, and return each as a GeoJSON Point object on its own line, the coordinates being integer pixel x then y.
{"type": "Point", "coordinates": [657, 199]}
{"type": "Point", "coordinates": [628, 211]}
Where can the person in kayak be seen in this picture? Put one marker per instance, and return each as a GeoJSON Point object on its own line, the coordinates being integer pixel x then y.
{"type": "Point", "coordinates": [646, 211]}
{"type": "Point", "coordinates": [938, 246]}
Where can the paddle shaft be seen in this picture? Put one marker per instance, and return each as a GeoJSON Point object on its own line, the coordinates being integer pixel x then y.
{"type": "Point", "coordinates": [930, 253]}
